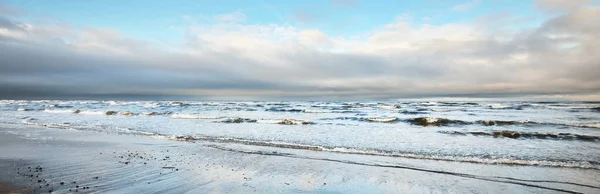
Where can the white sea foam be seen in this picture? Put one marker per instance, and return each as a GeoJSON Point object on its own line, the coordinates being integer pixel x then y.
{"type": "Point", "coordinates": [176, 103]}
{"type": "Point", "coordinates": [113, 103]}
{"type": "Point", "coordinates": [588, 125]}
{"type": "Point", "coordinates": [133, 131]}
{"type": "Point", "coordinates": [284, 121]}
{"type": "Point", "coordinates": [317, 111]}
{"type": "Point", "coordinates": [192, 116]}
{"type": "Point", "coordinates": [382, 119]}
{"type": "Point", "coordinates": [446, 109]}
{"type": "Point", "coordinates": [429, 103]}
{"type": "Point", "coordinates": [389, 107]}
{"type": "Point", "coordinates": [150, 113]}
{"type": "Point", "coordinates": [58, 111]}
{"type": "Point", "coordinates": [268, 121]}
{"type": "Point", "coordinates": [336, 125]}
{"type": "Point", "coordinates": [431, 120]}
{"type": "Point", "coordinates": [128, 113]}
{"type": "Point", "coordinates": [498, 106]}
{"type": "Point", "coordinates": [90, 112]}
{"type": "Point", "coordinates": [151, 105]}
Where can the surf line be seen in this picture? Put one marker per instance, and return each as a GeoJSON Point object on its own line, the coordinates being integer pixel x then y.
{"type": "Point", "coordinates": [485, 178]}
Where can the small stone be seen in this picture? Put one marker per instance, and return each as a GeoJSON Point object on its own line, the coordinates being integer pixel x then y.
{"type": "Point", "coordinates": [110, 112]}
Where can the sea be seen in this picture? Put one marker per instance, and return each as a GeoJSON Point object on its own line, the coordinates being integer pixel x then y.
{"type": "Point", "coordinates": [549, 134]}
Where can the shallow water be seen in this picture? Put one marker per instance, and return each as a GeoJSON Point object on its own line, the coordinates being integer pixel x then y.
{"type": "Point", "coordinates": [556, 134]}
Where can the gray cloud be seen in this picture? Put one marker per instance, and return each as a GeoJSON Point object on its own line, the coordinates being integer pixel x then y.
{"type": "Point", "coordinates": [48, 61]}
{"type": "Point", "coordinates": [7, 24]}
{"type": "Point", "coordinates": [561, 5]}
{"type": "Point", "coordinates": [4, 10]}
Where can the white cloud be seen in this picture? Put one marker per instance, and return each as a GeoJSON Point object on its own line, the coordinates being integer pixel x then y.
{"type": "Point", "coordinates": [187, 17]}
{"type": "Point", "coordinates": [236, 16]}
{"type": "Point", "coordinates": [466, 6]}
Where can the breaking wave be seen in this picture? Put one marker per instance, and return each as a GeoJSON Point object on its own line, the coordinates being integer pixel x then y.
{"type": "Point", "coordinates": [267, 121]}
{"type": "Point", "coordinates": [408, 112]}
{"type": "Point", "coordinates": [526, 135]}
{"type": "Point", "coordinates": [382, 119]}
{"type": "Point", "coordinates": [26, 109]}
{"type": "Point", "coordinates": [432, 121]}
{"type": "Point", "coordinates": [238, 120]}
{"type": "Point", "coordinates": [428, 121]}
{"type": "Point", "coordinates": [284, 110]}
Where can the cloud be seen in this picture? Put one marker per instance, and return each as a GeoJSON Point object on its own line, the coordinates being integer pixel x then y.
{"type": "Point", "coordinates": [466, 6]}
{"type": "Point", "coordinates": [236, 16]}
{"type": "Point", "coordinates": [304, 16]}
{"type": "Point", "coordinates": [235, 59]}
{"type": "Point", "coordinates": [561, 5]}
{"type": "Point", "coordinates": [4, 10]}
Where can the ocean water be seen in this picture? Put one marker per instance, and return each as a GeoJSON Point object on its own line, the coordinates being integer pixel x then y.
{"type": "Point", "coordinates": [551, 134]}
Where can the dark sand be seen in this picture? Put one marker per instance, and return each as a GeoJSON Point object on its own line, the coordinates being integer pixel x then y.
{"type": "Point", "coordinates": [7, 188]}
{"type": "Point", "coordinates": [40, 160]}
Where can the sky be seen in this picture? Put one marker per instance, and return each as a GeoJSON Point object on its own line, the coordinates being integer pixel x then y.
{"type": "Point", "coordinates": [299, 49]}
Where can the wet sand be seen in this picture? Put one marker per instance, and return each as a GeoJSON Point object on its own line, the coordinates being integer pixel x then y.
{"type": "Point", "coordinates": [12, 189]}
{"type": "Point", "coordinates": [43, 160]}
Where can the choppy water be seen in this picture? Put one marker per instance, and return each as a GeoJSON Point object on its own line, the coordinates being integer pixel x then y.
{"type": "Point", "coordinates": [554, 134]}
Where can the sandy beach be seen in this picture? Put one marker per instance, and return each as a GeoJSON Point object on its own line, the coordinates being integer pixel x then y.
{"type": "Point", "coordinates": [297, 96]}
{"type": "Point", "coordinates": [42, 160]}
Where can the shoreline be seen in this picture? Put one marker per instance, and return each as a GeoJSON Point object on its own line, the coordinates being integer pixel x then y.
{"type": "Point", "coordinates": [100, 163]}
